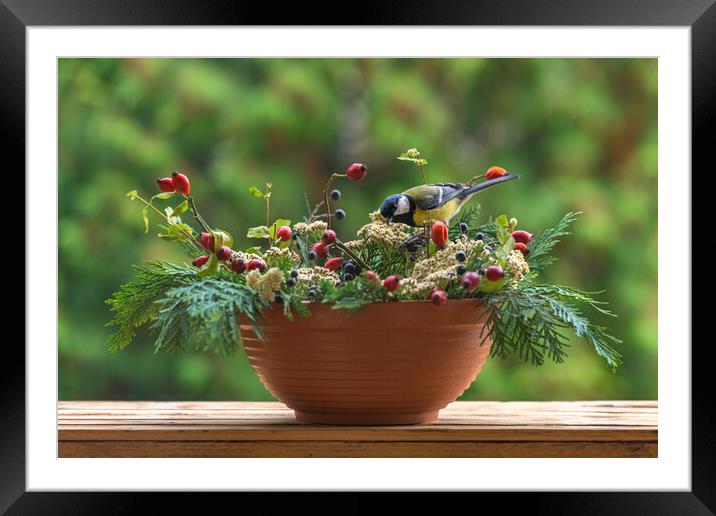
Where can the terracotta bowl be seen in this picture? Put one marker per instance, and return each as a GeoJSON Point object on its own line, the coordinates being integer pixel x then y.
{"type": "Point", "coordinates": [386, 364]}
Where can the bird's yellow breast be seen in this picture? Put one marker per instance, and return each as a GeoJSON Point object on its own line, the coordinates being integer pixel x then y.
{"type": "Point", "coordinates": [444, 213]}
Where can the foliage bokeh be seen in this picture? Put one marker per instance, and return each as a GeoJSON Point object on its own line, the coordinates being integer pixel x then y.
{"type": "Point", "coordinates": [582, 133]}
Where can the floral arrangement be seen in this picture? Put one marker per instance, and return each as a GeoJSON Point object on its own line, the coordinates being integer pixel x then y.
{"type": "Point", "coordinates": [294, 265]}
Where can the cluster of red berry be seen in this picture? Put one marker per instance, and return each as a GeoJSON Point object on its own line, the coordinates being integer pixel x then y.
{"type": "Point", "coordinates": [225, 253]}
{"type": "Point", "coordinates": [522, 238]}
{"type": "Point", "coordinates": [177, 183]}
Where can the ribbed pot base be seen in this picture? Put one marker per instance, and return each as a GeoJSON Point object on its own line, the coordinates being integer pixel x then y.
{"type": "Point", "coordinates": [393, 363]}
{"type": "Point", "coordinates": [333, 418]}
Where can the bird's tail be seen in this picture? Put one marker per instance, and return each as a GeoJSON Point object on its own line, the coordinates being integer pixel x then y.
{"type": "Point", "coordinates": [489, 183]}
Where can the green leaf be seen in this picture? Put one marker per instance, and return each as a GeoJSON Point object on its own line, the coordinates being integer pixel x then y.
{"type": "Point", "coordinates": [222, 238]}
{"type": "Point", "coordinates": [181, 208]}
{"type": "Point", "coordinates": [508, 246]}
{"type": "Point", "coordinates": [163, 195]}
{"type": "Point", "coordinates": [145, 217]}
{"type": "Point", "coordinates": [253, 250]}
{"type": "Point", "coordinates": [175, 236]}
{"type": "Point", "coordinates": [256, 192]}
{"type": "Point", "coordinates": [132, 194]}
{"type": "Point", "coordinates": [258, 232]}
{"type": "Point", "coordinates": [502, 221]}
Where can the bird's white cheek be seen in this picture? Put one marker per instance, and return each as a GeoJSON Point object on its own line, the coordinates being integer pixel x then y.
{"type": "Point", "coordinates": [403, 206]}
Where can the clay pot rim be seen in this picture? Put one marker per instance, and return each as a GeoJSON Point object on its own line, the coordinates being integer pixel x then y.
{"type": "Point", "coordinates": [406, 301]}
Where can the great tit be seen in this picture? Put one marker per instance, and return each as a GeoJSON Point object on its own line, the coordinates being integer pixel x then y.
{"type": "Point", "coordinates": [422, 204]}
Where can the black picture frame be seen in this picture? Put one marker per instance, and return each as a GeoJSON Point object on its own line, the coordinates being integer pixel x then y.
{"type": "Point", "coordinates": [700, 15]}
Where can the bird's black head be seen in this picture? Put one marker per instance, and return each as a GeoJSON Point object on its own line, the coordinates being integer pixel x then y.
{"type": "Point", "coordinates": [398, 208]}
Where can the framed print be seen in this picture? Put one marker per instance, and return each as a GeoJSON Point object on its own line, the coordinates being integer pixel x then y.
{"type": "Point", "coordinates": [285, 253]}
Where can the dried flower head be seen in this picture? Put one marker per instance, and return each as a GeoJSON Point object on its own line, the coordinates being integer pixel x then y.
{"type": "Point", "coordinates": [516, 267]}
{"type": "Point", "coordinates": [276, 254]}
{"type": "Point", "coordinates": [266, 284]}
{"type": "Point", "coordinates": [381, 232]}
{"type": "Point", "coordinates": [311, 228]}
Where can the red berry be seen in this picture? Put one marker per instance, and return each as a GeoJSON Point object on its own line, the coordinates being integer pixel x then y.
{"type": "Point", "coordinates": [495, 172]}
{"type": "Point", "coordinates": [494, 273]}
{"type": "Point", "coordinates": [356, 171]}
{"type": "Point", "coordinates": [438, 297]}
{"type": "Point", "coordinates": [165, 184]}
{"type": "Point", "coordinates": [391, 282]}
{"type": "Point", "coordinates": [470, 280]}
{"type": "Point", "coordinates": [284, 233]}
{"type": "Point", "coordinates": [255, 263]}
{"type": "Point", "coordinates": [522, 236]}
{"type": "Point", "coordinates": [333, 264]}
{"type": "Point", "coordinates": [207, 241]}
{"type": "Point", "coordinates": [519, 246]}
{"type": "Point", "coordinates": [329, 236]}
{"type": "Point", "coordinates": [200, 261]}
{"type": "Point", "coordinates": [181, 183]}
{"type": "Point", "coordinates": [223, 252]}
{"type": "Point", "coordinates": [372, 276]}
{"type": "Point", "coordinates": [321, 249]}
{"type": "Point", "coordinates": [439, 234]}
{"type": "Point", "coordinates": [239, 265]}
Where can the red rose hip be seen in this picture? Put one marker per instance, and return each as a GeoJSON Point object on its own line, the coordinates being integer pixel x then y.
{"type": "Point", "coordinates": [391, 282]}
{"type": "Point", "coordinates": [181, 183]}
{"type": "Point", "coordinates": [333, 264]}
{"type": "Point", "coordinates": [200, 261]}
{"type": "Point", "coordinates": [207, 241]}
{"type": "Point", "coordinates": [439, 234]}
{"type": "Point", "coordinates": [519, 246]}
{"type": "Point", "coordinates": [321, 249]}
{"type": "Point", "coordinates": [223, 252]}
{"type": "Point", "coordinates": [239, 265]}
{"type": "Point", "coordinates": [470, 280]}
{"type": "Point", "coordinates": [494, 273]}
{"type": "Point", "coordinates": [356, 171]}
{"type": "Point", "coordinates": [255, 263]}
{"type": "Point", "coordinates": [284, 233]}
{"type": "Point", "coordinates": [495, 172]}
{"type": "Point", "coordinates": [522, 237]}
{"type": "Point", "coordinates": [165, 184]}
{"type": "Point", "coordinates": [438, 297]}
{"type": "Point", "coordinates": [329, 236]}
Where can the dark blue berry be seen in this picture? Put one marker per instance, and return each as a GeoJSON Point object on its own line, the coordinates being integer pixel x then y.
{"type": "Point", "coordinates": [335, 194]}
{"type": "Point", "coordinates": [294, 273]}
{"type": "Point", "coordinates": [278, 299]}
{"type": "Point", "coordinates": [461, 269]}
{"type": "Point", "coordinates": [460, 256]}
{"type": "Point", "coordinates": [312, 255]}
{"type": "Point", "coordinates": [463, 227]}
{"type": "Point", "coordinates": [291, 282]}
{"type": "Point", "coordinates": [349, 267]}
{"type": "Point", "coordinates": [348, 276]}
{"type": "Point", "coordinates": [479, 236]}
{"type": "Point", "coordinates": [340, 214]}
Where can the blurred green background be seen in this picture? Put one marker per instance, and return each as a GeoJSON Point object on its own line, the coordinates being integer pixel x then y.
{"type": "Point", "coordinates": [581, 132]}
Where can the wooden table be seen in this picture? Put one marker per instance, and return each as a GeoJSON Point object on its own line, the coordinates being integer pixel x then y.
{"type": "Point", "coordinates": [465, 429]}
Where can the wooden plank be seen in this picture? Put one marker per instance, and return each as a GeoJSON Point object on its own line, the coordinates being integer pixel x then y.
{"type": "Point", "coordinates": [155, 449]}
{"type": "Point", "coordinates": [268, 429]}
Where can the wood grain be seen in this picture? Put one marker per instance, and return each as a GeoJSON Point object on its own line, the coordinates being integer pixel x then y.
{"type": "Point", "coordinates": [268, 429]}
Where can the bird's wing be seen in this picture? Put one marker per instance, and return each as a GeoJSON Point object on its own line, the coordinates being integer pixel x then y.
{"type": "Point", "coordinates": [429, 197]}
